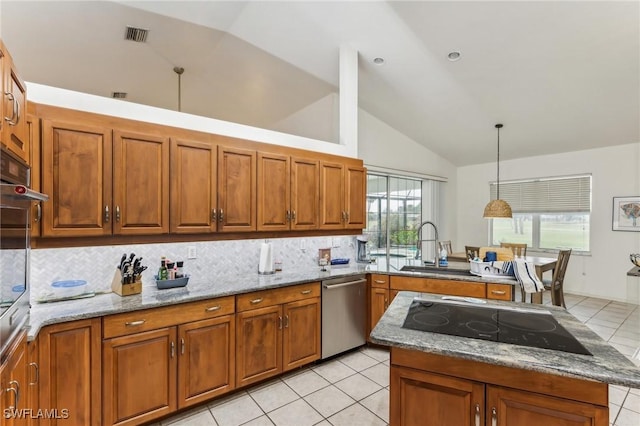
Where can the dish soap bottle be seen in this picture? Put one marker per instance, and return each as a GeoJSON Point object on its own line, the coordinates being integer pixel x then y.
{"type": "Point", "coordinates": [443, 257]}
{"type": "Point", "coordinates": [163, 272]}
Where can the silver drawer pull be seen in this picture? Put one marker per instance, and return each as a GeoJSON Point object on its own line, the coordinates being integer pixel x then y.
{"type": "Point", "coordinates": [37, 379]}
{"type": "Point", "coordinates": [501, 292]}
{"type": "Point", "coordinates": [305, 292]}
{"type": "Point", "coordinates": [477, 415]}
{"type": "Point", "coordinates": [494, 417]}
{"type": "Point", "coordinates": [213, 308]}
{"type": "Point", "coordinates": [256, 301]}
{"type": "Point", "coordinates": [379, 281]}
{"type": "Point", "coordinates": [134, 323]}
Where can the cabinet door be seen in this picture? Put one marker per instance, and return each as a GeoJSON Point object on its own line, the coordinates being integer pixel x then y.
{"type": "Point", "coordinates": [76, 174]}
{"type": "Point", "coordinates": [139, 373]}
{"type": "Point", "coordinates": [512, 407]}
{"type": "Point", "coordinates": [301, 339]}
{"type": "Point", "coordinates": [193, 187]}
{"type": "Point", "coordinates": [15, 131]}
{"type": "Point", "coordinates": [33, 377]}
{"type": "Point", "coordinates": [274, 194]}
{"type": "Point", "coordinates": [305, 193]}
{"type": "Point", "coordinates": [69, 356]}
{"type": "Point", "coordinates": [419, 398]}
{"type": "Point", "coordinates": [14, 385]}
{"type": "Point", "coordinates": [258, 344]}
{"type": "Point", "coordinates": [141, 183]}
{"type": "Point", "coordinates": [355, 195]}
{"type": "Point", "coordinates": [236, 189]}
{"type": "Point", "coordinates": [332, 213]}
{"type": "Point", "coordinates": [206, 366]}
{"type": "Point", "coordinates": [379, 303]}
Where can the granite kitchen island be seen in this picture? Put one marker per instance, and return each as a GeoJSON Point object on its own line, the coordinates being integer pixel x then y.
{"type": "Point", "coordinates": [441, 379]}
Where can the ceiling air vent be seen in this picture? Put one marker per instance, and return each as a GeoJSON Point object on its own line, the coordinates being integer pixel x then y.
{"type": "Point", "coordinates": [138, 35]}
{"type": "Point", "coordinates": [119, 95]}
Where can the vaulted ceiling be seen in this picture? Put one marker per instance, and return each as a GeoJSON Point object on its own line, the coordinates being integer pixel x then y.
{"type": "Point", "coordinates": [561, 75]}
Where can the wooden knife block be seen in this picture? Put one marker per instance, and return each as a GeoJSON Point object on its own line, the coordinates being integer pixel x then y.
{"type": "Point", "coordinates": [125, 289]}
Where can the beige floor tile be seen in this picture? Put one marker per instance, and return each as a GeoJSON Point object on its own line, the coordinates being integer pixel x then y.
{"type": "Point", "coordinates": [329, 401]}
{"type": "Point", "coordinates": [614, 410]}
{"type": "Point", "coordinates": [358, 361]}
{"type": "Point", "coordinates": [356, 415]}
{"type": "Point", "coordinates": [377, 353]}
{"type": "Point", "coordinates": [378, 403]}
{"type": "Point", "coordinates": [617, 394]}
{"type": "Point", "coordinates": [200, 416]}
{"type": "Point", "coordinates": [235, 411]}
{"type": "Point", "coordinates": [627, 418]}
{"type": "Point", "coordinates": [306, 382]}
{"type": "Point", "coordinates": [379, 373]}
{"type": "Point", "coordinates": [298, 413]}
{"type": "Point", "coordinates": [272, 396]}
{"type": "Point", "coordinates": [358, 386]}
{"type": "Point", "coordinates": [260, 421]}
{"type": "Point", "coordinates": [632, 402]}
{"type": "Point", "coordinates": [334, 371]}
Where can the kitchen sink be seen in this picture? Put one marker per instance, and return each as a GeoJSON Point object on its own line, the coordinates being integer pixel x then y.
{"type": "Point", "coordinates": [433, 269]}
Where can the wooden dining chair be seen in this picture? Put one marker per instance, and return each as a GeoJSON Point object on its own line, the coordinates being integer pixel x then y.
{"type": "Point", "coordinates": [556, 283]}
{"type": "Point", "coordinates": [445, 245]}
{"type": "Point", "coordinates": [472, 252]}
{"type": "Point", "coordinates": [518, 249]}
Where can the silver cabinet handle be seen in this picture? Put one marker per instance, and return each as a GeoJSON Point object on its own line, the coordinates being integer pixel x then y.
{"type": "Point", "coordinates": [305, 292]}
{"type": "Point", "coordinates": [117, 213]}
{"type": "Point", "coordinates": [213, 308]}
{"type": "Point", "coordinates": [279, 323]}
{"type": "Point", "coordinates": [293, 215]}
{"type": "Point", "coordinates": [494, 417]}
{"type": "Point", "coordinates": [286, 321]}
{"type": "Point", "coordinates": [35, 365]}
{"type": "Point", "coordinates": [11, 120]}
{"type": "Point", "coordinates": [15, 397]}
{"type": "Point", "coordinates": [173, 349]}
{"type": "Point", "coordinates": [221, 216]}
{"type": "Point", "coordinates": [214, 215]}
{"type": "Point", "coordinates": [477, 414]}
{"type": "Point", "coordinates": [256, 301]}
{"type": "Point", "coordinates": [107, 216]}
{"type": "Point", "coordinates": [500, 292]}
{"type": "Point", "coordinates": [379, 281]}
{"type": "Point", "coordinates": [287, 216]}
{"type": "Point", "coordinates": [134, 323]}
{"type": "Point", "coordinates": [15, 390]}
{"type": "Point", "coordinates": [182, 346]}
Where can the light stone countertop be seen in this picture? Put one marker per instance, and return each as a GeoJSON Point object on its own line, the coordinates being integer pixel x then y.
{"type": "Point", "coordinates": [607, 365]}
{"type": "Point", "coordinates": [207, 286]}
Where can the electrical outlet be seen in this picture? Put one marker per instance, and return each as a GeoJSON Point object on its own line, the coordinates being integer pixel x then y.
{"type": "Point", "coordinates": [191, 252]}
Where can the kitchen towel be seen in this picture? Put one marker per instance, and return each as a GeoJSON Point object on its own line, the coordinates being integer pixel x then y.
{"type": "Point", "coordinates": [525, 273]}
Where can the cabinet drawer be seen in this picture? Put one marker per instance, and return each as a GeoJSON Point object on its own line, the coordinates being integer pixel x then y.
{"type": "Point", "coordinates": [438, 286]}
{"type": "Point", "coordinates": [379, 281]}
{"type": "Point", "coordinates": [151, 319]}
{"type": "Point", "coordinates": [500, 291]}
{"type": "Point", "coordinates": [277, 296]}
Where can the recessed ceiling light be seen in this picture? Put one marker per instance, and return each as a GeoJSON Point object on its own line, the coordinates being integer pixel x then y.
{"type": "Point", "coordinates": [378, 61]}
{"type": "Point", "coordinates": [454, 56]}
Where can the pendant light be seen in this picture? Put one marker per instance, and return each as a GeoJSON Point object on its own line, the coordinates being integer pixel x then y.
{"type": "Point", "coordinates": [498, 208]}
{"type": "Point", "coordinates": [179, 71]}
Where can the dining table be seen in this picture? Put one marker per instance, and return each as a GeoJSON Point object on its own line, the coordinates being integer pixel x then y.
{"type": "Point", "coordinates": [542, 265]}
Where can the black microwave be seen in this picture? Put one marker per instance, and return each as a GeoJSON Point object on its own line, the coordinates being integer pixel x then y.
{"type": "Point", "coordinates": [15, 206]}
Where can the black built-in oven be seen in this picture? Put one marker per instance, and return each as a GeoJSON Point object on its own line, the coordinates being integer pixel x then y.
{"type": "Point", "coordinates": [15, 205]}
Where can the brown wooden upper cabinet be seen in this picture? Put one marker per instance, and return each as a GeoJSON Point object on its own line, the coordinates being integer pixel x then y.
{"type": "Point", "coordinates": [342, 196]}
{"type": "Point", "coordinates": [14, 131]}
{"type": "Point", "coordinates": [288, 191]}
{"type": "Point", "coordinates": [193, 186]}
{"type": "Point", "coordinates": [101, 183]}
{"type": "Point", "coordinates": [236, 189]}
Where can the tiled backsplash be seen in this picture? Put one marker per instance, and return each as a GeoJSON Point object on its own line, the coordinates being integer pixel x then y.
{"type": "Point", "coordinates": [96, 265]}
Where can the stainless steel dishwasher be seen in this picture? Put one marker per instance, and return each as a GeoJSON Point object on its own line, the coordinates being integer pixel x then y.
{"type": "Point", "coordinates": [344, 314]}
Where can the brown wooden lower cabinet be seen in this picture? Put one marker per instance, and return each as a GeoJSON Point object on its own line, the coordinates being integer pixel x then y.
{"type": "Point", "coordinates": [490, 395]}
{"type": "Point", "coordinates": [278, 337]}
{"type": "Point", "coordinates": [69, 381]}
{"type": "Point", "coordinates": [14, 385]}
{"type": "Point", "coordinates": [151, 374]}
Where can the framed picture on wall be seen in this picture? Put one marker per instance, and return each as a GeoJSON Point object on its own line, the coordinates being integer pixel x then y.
{"type": "Point", "coordinates": [626, 214]}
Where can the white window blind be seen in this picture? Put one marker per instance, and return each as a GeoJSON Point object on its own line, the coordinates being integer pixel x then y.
{"type": "Point", "coordinates": [548, 195]}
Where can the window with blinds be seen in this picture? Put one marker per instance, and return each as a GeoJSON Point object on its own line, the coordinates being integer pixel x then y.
{"type": "Point", "coordinates": [548, 213]}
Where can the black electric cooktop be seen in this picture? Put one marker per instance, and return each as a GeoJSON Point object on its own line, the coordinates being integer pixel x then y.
{"type": "Point", "coordinates": [518, 327]}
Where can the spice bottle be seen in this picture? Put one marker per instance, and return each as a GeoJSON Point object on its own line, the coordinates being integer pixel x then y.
{"type": "Point", "coordinates": [179, 271]}
{"type": "Point", "coordinates": [163, 272]}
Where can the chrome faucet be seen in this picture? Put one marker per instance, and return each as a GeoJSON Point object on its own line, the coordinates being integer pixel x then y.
{"type": "Point", "coordinates": [420, 240]}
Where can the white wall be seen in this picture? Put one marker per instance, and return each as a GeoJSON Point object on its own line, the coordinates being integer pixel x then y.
{"type": "Point", "coordinates": [615, 171]}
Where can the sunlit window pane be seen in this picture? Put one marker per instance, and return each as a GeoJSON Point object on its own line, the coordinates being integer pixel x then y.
{"type": "Point", "coordinates": [570, 230]}
{"type": "Point", "coordinates": [516, 230]}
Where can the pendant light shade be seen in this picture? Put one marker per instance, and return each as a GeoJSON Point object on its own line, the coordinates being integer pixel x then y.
{"type": "Point", "coordinates": [498, 209]}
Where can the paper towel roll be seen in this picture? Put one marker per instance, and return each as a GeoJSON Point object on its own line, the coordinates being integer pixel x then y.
{"type": "Point", "coordinates": [266, 259]}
